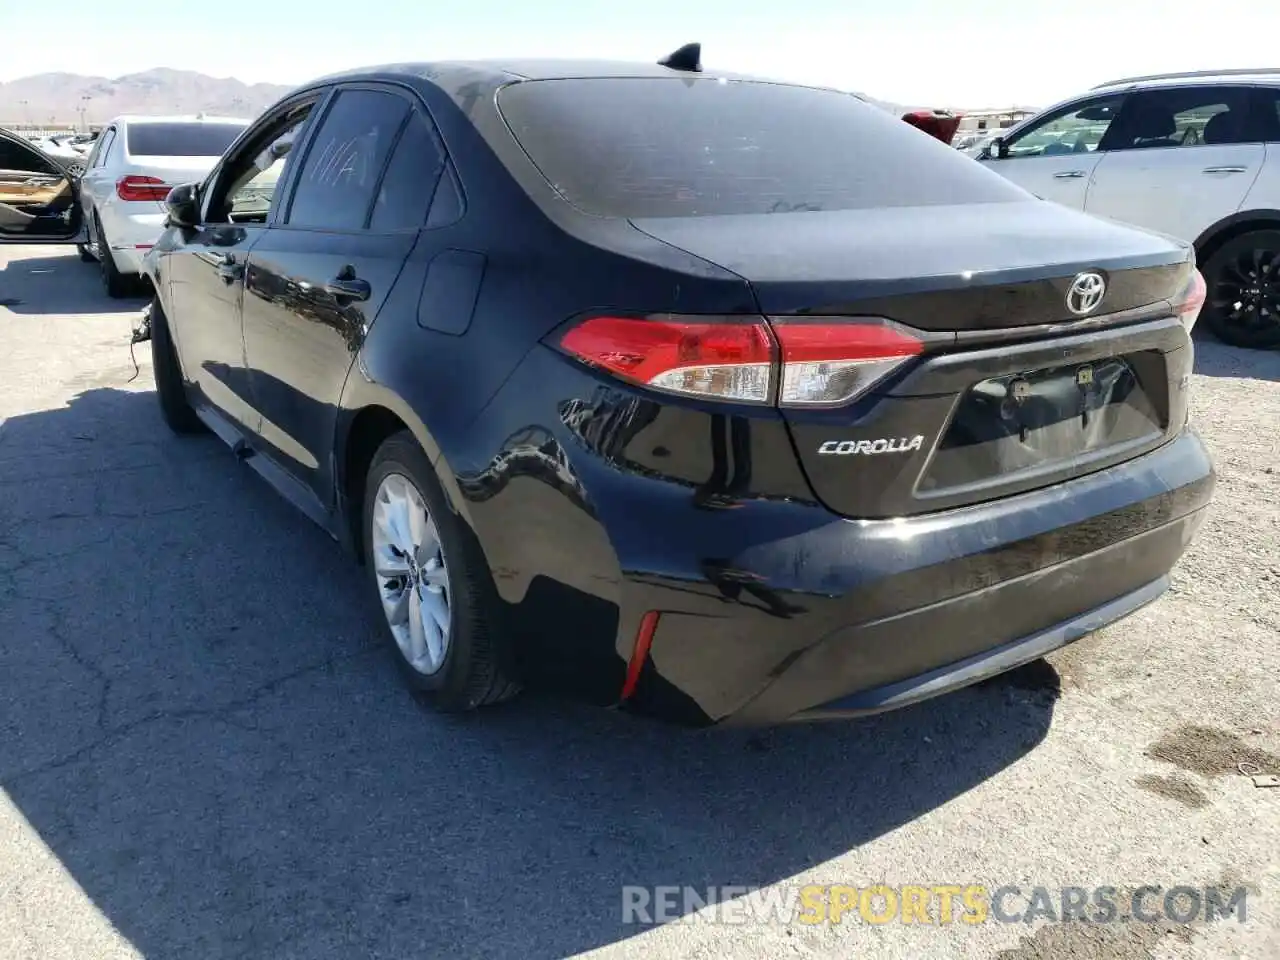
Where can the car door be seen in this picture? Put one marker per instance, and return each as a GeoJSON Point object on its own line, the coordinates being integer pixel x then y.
{"type": "Point", "coordinates": [1179, 159]}
{"type": "Point", "coordinates": [1054, 156]}
{"type": "Point", "coordinates": [39, 197]}
{"type": "Point", "coordinates": [1265, 192]}
{"type": "Point", "coordinates": [318, 277]}
{"type": "Point", "coordinates": [203, 274]}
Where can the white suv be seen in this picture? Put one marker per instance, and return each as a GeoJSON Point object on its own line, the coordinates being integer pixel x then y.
{"type": "Point", "coordinates": [134, 164]}
{"type": "Point", "coordinates": [1192, 155]}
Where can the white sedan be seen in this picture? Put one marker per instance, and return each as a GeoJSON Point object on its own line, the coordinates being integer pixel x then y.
{"type": "Point", "coordinates": [135, 163]}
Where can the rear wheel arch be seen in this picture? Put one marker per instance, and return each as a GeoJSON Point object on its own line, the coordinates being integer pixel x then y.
{"type": "Point", "coordinates": [362, 430]}
{"type": "Point", "coordinates": [1228, 228]}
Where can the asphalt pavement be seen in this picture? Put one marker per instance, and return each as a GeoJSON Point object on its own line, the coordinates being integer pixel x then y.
{"type": "Point", "coordinates": [205, 751]}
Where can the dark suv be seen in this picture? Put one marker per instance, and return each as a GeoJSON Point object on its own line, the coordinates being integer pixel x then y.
{"type": "Point", "coordinates": [722, 399]}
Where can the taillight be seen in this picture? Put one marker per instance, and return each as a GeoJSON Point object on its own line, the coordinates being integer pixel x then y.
{"type": "Point", "coordinates": [726, 358]}
{"type": "Point", "coordinates": [137, 187]}
{"type": "Point", "coordinates": [1187, 307]}
{"type": "Point", "coordinates": [825, 362]}
{"type": "Point", "coordinates": [794, 363]}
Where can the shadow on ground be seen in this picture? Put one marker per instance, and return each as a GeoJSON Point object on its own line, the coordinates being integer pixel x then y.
{"type": "Point", "coordinates": [198, 720]}
{"type": "Point", "coordinates": [59, 283]}
{"type": "Point", "coordinates": [1216, 359]}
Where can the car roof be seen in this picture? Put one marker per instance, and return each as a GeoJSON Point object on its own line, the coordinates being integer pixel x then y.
{"type": "Point", "coordinates": [464, 80]}
{"type": "Point", "coordinates": [507, 70]}
{"type": "Point", "coordinates": [1251, 76]}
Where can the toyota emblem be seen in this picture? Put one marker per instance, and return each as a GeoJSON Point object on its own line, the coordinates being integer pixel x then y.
{"type": "Point", "coordinates": [1085, 293]}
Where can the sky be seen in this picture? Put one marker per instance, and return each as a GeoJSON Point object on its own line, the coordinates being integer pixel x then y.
{"type": "Point", "coordinates": [984, 53]}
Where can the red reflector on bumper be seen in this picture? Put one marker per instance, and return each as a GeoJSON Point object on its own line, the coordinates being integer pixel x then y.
{"type": "Point", "coordinates": [640, 653]}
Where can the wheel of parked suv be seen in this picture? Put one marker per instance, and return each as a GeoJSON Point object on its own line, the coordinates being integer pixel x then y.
{"type": "Point", "coordinates": [432, 584]}
{"type": "Point", "coordinates": [114, 282]}
{"type": "Point", "coordinates": [174, 406]}
{"type": "Point", "coordinates": [1242, 306]}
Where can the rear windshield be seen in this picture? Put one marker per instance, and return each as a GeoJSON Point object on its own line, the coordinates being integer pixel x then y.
{"type": "Point", "coordinates": [624, 147]}
{"type": "Point", "coordinates": [181, 139]}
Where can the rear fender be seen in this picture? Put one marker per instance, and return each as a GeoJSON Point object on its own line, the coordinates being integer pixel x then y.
{"type": "Point", "coordinates": [359, 393]}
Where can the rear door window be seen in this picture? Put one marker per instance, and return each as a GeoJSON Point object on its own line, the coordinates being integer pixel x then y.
{"type": "Point", "coordinates": [344, 163]}
{"type": "Point", "coordinates": [1185, 117]}
{"type": "Point", "coordinates": [176, 139]}
{"type": "Point", "coordinates": [683, 147]}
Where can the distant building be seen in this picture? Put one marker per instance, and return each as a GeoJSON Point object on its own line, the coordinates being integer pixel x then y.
{"type": "Point", "coordinates": [989, 121]}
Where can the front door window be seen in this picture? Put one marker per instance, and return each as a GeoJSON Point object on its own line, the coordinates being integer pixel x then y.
{"type": "Point", "coordinates": [1079, 129]}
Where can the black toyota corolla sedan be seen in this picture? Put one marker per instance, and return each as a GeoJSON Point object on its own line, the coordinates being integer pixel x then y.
{"type": "Point", "coordinates": [721, 399]}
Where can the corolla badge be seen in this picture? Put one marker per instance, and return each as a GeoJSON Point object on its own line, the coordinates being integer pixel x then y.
{"type": "Point", "coordinates": [845, 448]}
{"type": "Point", "coordinates": [1085, 293]}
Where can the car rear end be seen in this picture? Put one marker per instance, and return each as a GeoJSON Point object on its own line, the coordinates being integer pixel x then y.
{"type": "Point", "coordinates": [907, 426]}
{"type": "Point", "coordinates": [158, 154]}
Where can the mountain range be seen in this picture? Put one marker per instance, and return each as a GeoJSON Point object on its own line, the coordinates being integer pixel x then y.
{"type": "Point", "coordinates": [58, 98]}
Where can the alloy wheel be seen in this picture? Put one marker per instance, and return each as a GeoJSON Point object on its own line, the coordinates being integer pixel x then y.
{"type": "Point", "coordinates": [412, 573]}
{"type": "Point", "coordinates": [1246, 291]}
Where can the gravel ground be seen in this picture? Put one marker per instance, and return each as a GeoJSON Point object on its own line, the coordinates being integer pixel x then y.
{"type": "Point", "coordinates": [203, 753]}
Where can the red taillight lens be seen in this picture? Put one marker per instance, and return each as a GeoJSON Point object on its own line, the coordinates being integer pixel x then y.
{"type": "Point", "coordinates": [825, 362]}
{"type": "Point", "coordinates": [136, 187]}
{"type": "Point", "coordinates": [1188, 305]}
{"type": "Point", "coordinates": [812, 363]}
{"type": "Point", "coordinates": [726, 358]}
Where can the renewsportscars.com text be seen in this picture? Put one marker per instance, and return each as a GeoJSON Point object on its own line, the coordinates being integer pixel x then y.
{"type": "Point", "coordinates": [937, 903]}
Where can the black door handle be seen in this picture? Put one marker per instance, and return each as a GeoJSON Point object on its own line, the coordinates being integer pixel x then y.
{"type": "Point", "coordinates": [349, 288]}
{"type": "Point", "coordinates": [228, 271]}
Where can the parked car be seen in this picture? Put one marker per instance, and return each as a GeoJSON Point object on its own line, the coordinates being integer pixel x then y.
{"type": "Point", "coordinates": [37, 193]}
{"type": "Point", "coordinates": [941, 124]}
{"type": "Point", "coordinates": [65, 152]}
{"type": "Point", "coordinates": [129, 172]}
{"type": "Point", "coordinates": [721, 400]}
{"type": "Point", "coordinates": [1192, 155]}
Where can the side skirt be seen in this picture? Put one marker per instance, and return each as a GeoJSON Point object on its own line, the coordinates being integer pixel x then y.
{"type": "Point", "coordinates": [279, 479]}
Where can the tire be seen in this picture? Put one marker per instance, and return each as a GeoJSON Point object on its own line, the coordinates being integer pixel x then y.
{"type": "Point", "coordinates": [475, 669]}
{"type": "Point", "coordinates": [1245, 270]}
{"type": "Point", "coordinates": [116, 284]}
{"type": "Point", "coordinates": [86, 254]}
{"type": "Point", "coordinates": [170, 392]}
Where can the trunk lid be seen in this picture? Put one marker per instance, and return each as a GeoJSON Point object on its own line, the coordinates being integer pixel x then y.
{"type": "Point", "coordinates": [938, 268]}
{"type": "Point", "coordinates": [1013, 390]}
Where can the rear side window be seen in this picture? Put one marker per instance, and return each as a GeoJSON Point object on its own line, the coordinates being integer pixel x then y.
{"type": "Point", "coordinates": [1267, 111]}
{"type": "Point", "coordinates": [204, 139]}
{"type": "Point", "coordinates": [344, 162]}
{"type": "Point", "coordinates": [410, 179]}
{"type": "Point", "coordinates": [628, 147]}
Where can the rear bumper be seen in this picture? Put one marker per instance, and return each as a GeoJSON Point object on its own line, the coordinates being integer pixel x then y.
{"type": "Point", "coordinates": [989, 663]}
{"type": "Point", "coordinates": [855, 617]}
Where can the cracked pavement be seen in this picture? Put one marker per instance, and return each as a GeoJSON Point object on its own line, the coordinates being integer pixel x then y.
{"type": "Point", "coordinates": [205, 752]}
